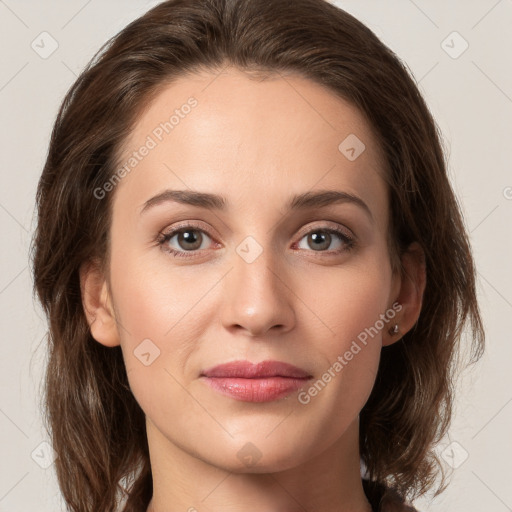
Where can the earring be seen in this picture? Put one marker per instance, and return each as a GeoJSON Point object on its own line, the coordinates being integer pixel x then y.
{"type": "Point", "coordinates": [393, 330]}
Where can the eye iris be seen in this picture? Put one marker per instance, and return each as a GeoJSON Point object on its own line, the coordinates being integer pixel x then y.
{"type": "Point", "coordinates": [320, 240]}
{"type": "Point", "coordinates": [190, 237]}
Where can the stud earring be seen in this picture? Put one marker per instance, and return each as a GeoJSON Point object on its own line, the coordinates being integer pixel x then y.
{"type": "Point", "coordinates": [393, 330]}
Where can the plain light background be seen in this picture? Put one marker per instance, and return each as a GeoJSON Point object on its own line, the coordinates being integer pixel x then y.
{"type": "Point", "coordinates": [469, 91]}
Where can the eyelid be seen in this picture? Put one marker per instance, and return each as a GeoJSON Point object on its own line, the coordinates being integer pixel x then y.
{"type": "Point", "coordinates": [326, 225]}
{"type": "Point", "coordinates": [183, 225]}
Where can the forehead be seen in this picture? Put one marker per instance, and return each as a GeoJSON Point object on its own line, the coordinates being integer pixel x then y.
{"type": "Point", "coordinates": [237, 135]}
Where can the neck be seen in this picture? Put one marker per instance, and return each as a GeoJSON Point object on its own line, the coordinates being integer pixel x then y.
{"type": "Point", "coordinates": [329, 481]}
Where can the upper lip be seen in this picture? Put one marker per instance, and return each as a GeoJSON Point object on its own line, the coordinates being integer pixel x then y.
{"type": "Point", "coordinates": [248, 370]}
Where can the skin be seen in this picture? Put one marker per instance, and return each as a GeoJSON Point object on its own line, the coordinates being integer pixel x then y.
{"type": "Point", "coordinates": [257, 143]}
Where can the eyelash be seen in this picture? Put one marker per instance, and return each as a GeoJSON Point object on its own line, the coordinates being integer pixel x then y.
{"type": "Point", "coordinates": [163, 238]}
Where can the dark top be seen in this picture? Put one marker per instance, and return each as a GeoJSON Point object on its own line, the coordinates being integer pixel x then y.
{"type": "Point", "coordinates": [383, 499]}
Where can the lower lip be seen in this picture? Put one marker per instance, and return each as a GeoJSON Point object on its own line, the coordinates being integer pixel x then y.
{"type": "Point", "coordinates": [265, 389]}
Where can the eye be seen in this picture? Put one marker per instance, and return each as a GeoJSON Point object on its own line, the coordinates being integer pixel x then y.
{"type": "Point", "coordinates": [321, 239]}
{"type": "Point", "coordinates": [188, 239]}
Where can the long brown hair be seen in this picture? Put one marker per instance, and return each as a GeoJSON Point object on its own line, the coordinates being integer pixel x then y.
{"type": "Point", "coordinates": [95, 423]}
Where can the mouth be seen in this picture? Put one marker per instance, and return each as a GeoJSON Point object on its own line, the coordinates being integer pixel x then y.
{"type": "Point", "coordinates": [261, 382]}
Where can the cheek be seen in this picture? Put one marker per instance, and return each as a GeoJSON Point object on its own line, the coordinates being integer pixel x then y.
{"type": "Point", "coordinates": [155, 344]}
{"type": "Point", "coordinates": [351, 298]}
{"type": "Point", "coordinates": [352, 309]}
{"type": "Point", "coordinates": [160, 318]}
{"type": "Point", "coordinates": [153, 300]}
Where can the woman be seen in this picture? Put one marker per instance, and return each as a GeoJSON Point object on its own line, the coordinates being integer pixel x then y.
{"type": "Point", "coordinates": [298, 354]}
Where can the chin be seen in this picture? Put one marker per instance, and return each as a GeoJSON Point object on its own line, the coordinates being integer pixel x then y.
{"type": "Point", "coordinates": [246, 454]}
{"type": "Point", "coordinates": [266, 464]}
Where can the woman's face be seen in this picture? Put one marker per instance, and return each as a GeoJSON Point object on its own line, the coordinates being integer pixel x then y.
{"type": "Point", "coordinates": [271, 275]}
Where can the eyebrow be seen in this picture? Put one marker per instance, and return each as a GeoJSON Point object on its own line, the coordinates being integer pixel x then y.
{"type": "Point", "coordinates": [307, 200]}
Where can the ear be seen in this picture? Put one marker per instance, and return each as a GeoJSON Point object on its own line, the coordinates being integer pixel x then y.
{"type": "Point", "coordinates": [97, 304]}
{"type": "Point", "coordinates": [408, 292]}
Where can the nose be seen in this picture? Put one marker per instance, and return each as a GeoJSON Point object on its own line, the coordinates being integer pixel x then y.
{"type": "Point", "coordinates": [257, 296]}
